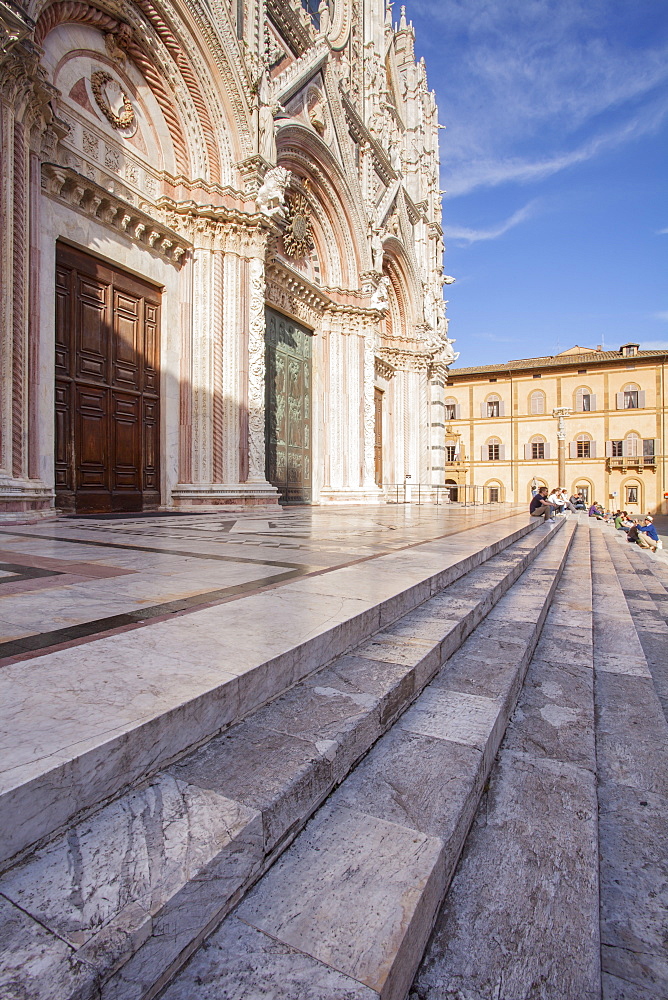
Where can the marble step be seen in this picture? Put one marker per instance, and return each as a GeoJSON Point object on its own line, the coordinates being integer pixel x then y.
{"type": "Point", "coordinates": [134, 888]}
{"type": "Point", "coordinates": [647, 601]}
{"type": "Point", "coordinates": [80, 725]}
{"type": "Point", "coordinates": [346, 911]}
{"type": "Point", "coordinates": [521, 916]}
{"type": "Point", "coordinates": [632, 759]}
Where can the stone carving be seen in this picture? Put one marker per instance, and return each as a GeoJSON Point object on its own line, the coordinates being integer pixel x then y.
{"type": "Point", "coordinates": [125, 117]}
{"type": "Point", "coordinates": [256, 372]}
{"type": "Point", "coordinates": [298, 238]}
{"type": "Point", "coordinates": [270, 198]}
{"type": "Point", "coordinates": [380, 299]}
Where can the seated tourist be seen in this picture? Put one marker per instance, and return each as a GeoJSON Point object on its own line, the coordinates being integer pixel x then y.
{"type": "Point", "coordinates": [567, 504]}
{"type": "Point", "coordinates": [578, 501]}
{"type": "Point", "coordinates": [555, 500]}
{"type": "Point", "coordinates": [626, 522]}
{"type": "Point", "coordinates": [595, 511]}
{"type": "Point", "coordinates": [648, 537]}
{"type": "Point", "coordinates": [539, 506]}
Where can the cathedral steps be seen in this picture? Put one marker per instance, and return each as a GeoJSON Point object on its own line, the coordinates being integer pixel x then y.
{"type": "Point", "coordinates": [347, 910]}
{"type": "Point", "coordinates": [562, 882]}
{"type": "Point", "coordinates": [121, 899]}
{"type": "Point", "coordinates": [82, 724]}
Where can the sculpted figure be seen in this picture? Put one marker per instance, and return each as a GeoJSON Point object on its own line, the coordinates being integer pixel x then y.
{"type": "Point", "coordinates": [380, 298]}
{"type": "Point", "coordinates": [267, 110]}
{"type": "Point", "coordinates": [270, 199]}
{"type": "Point", "coordinates": [377, 250]}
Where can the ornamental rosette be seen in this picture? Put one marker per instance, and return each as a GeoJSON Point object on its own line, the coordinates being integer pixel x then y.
{"type": "Point", "coordinates": [298, 234]}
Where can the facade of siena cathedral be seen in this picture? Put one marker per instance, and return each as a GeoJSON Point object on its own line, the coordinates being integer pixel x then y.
{"type": "Point", "coordinates": [221, 255]}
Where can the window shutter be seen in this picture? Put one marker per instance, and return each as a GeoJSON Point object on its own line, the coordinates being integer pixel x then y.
{"type": "Point", "coordinates": [592, 449]}
{"type": "Point", "coordinates": [641, 400]}
{"type": "Point", "coordinates": [578, 402]}
{"type": "Point", "coordinates": [458, 412]}
{"type": "Point", "coordinates": [573, 449]}
{"type": "Point", "coordinates": [608, 449]}
{"type": "Point", "coordinates": [502, 408]}
{"type": "Point", "coordinates": [546, 452]}
{"type": "Point", "coordinates": [592, 402]}
{"type": "Point", "coordinates": [483, 453]}
{"type": "Point", "coordinates": [502, 453]}
{"type": "Point", "coordinates": [483, 410]}
{"type": "Point", "coordinates": [620, 400]}
{"type": "Point", "coordinates": [527, 451]}
{"type": "Point", "coordinates": [625, 448]}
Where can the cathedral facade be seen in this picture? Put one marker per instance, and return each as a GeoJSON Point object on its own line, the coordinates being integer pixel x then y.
{"type": "Point", "coordinates": [221, 255]}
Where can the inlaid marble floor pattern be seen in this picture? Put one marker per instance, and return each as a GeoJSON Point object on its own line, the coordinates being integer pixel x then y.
{"type": "Point", "coordinates": [74, 579]}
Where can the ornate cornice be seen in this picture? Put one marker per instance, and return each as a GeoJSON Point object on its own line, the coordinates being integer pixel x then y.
{"type": "Point", "coordinates": [85, 196]}
{"type": "Point", "coordinates": [384, 369]}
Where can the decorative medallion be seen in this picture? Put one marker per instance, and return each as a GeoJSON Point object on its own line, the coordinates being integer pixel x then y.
{"type": "Point", "coordinates": [298, 235]}
{"type": "Point", "coordinates": [107, 98]}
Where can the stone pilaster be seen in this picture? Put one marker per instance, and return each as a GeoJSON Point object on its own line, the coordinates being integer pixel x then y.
{"type": "Point", "coordinates": [225, 452]}
{"type": "Point", "coordinates": [437, 382]}
{"type": "Point", "coordinates": [26, 136]}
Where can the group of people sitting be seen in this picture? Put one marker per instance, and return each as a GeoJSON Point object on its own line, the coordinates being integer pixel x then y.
{"type": "Point", "coordinates": [548, 504]}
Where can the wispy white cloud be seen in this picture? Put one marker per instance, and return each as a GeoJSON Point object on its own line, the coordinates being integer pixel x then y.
{"type": "Point", "coordinates": [654, 345]}
{"type": "Point", "coordinates": [662, 232]}
{"type": "Point", "coordinates": [468, 235]}
{"type": "Point", "coordinates": [661, 315]}
{"type": "Point", "coordinates": [527, 83]}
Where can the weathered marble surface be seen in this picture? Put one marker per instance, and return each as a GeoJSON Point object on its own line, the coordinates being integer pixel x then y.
{"type": "Point", "coordinates": [347, 893]}
{"type": "Point", "coordinates": [238, 962]}
{"type": "Point", "coordinates": [37, 965]}
{"type": "Point", "coordinates": [115, 880]}
{"type": "Point", "coordinates": [174, 683]}
{"type": "Point", "coordinates": [521, 917]}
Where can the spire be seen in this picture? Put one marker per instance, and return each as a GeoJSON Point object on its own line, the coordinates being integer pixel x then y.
{"type": "Point", "coordinates": [402, 22]}
{"type": "Point", "coordinates": [388, 14]}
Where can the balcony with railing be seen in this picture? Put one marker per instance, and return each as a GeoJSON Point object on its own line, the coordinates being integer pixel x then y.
{"type": "Point", "coordinates": [624, 462]}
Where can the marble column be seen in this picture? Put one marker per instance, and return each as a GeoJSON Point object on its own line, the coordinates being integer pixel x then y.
{"type": "Point", "coordinates": [26, 137]}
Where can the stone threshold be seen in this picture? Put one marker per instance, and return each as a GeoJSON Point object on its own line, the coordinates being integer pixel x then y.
{"type": "Point", "coordinates": [208, 826]}
{"type": "Point", "coordinates": [83, 723]}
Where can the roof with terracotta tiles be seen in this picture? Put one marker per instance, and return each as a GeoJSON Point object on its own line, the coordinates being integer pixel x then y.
{"type": "Point", "coordinates": [564, 360]}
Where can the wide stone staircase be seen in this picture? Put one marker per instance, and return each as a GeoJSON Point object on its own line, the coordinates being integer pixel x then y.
{"type": "Point", "coordinates": [299, 830]}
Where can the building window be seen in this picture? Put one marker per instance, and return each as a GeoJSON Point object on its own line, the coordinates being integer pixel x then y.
{"type": "Point", "coordinates": [583, 447]}
{"type": "Point", "coordinates": [617, 449]}
{"type": "Point", "coordinates": [632, 494]}
{"type": "Point", "coordinates": [630, 399]}
{"type": "Point", "coordinates": [493, 452]}
{"type": "Point", "coordinates": [537, 402]}
{"type": "Point", "coordinates": [493, 408]}
{"type": "Point", "coordinates": [538, 449]}
{"type": "Point", "coordinates": [451, 409]}
{"type": "Point", "coordinates": [648, 450]}
{"type": "Point", "coordinates": [632, 445]}
{"type": "Point", "coordinates": [494, 494]}
{"type": "Point", "coordinates": [450, 453]}
{"type": "Point", "coordinates": [583, 490]}
{"type": "Point", "coordinates": [630, 350]}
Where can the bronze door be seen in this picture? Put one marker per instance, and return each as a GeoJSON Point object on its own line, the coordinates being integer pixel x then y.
{"type": "Point", "coordinates": [378, 436]}
{"type": "Point", "coordinates": [107, 387]}
{"type": "Point", "coordinates": [288, 407]}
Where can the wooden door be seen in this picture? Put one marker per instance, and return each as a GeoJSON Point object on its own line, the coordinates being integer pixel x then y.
{"type": "Point", "coordinates": [107, 395]}
{"type": "Point", "coordinates": [288, 407]}
{"type": "Point", "coordinates": [378, 436]}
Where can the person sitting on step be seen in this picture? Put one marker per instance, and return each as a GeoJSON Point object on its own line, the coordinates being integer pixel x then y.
{"type": "Point", "coordinates": [539, 506]}
{"type": "Point", "coordinates": [648, 537]}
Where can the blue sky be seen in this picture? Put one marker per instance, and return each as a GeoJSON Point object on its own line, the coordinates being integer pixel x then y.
{"type": "Point", "coordinates": [555, 164]}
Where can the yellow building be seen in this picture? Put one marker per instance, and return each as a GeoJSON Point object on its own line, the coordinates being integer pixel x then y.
{"type": "Point", "coordinates": [502, 431]}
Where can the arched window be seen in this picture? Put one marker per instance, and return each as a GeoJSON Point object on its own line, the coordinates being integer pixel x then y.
{"type": "Point", "coordinates": [537, 448]}
{"type": "Point", "coordinates": [537, 402]}
{"type": "Point", "coordinates": [631, 397]}
{"type": "Point", "coordinates": [452, 409]}
{"type": "Point", "coordinates": [493, 491]}
{"type": "Point", "coordinates": [585, 400]}
{"type": "Point", "coordinates": [632, 445]}
{"type": "Point", "coordinates": [493, 406]}
{"type": "Point", "coordinates": [583, 446]}
{"type": "Point", "coordinates": [493, 450]}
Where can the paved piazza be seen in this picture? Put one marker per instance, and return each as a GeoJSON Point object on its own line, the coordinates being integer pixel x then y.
{"type": "Point", "coordinates": [75, 579]}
